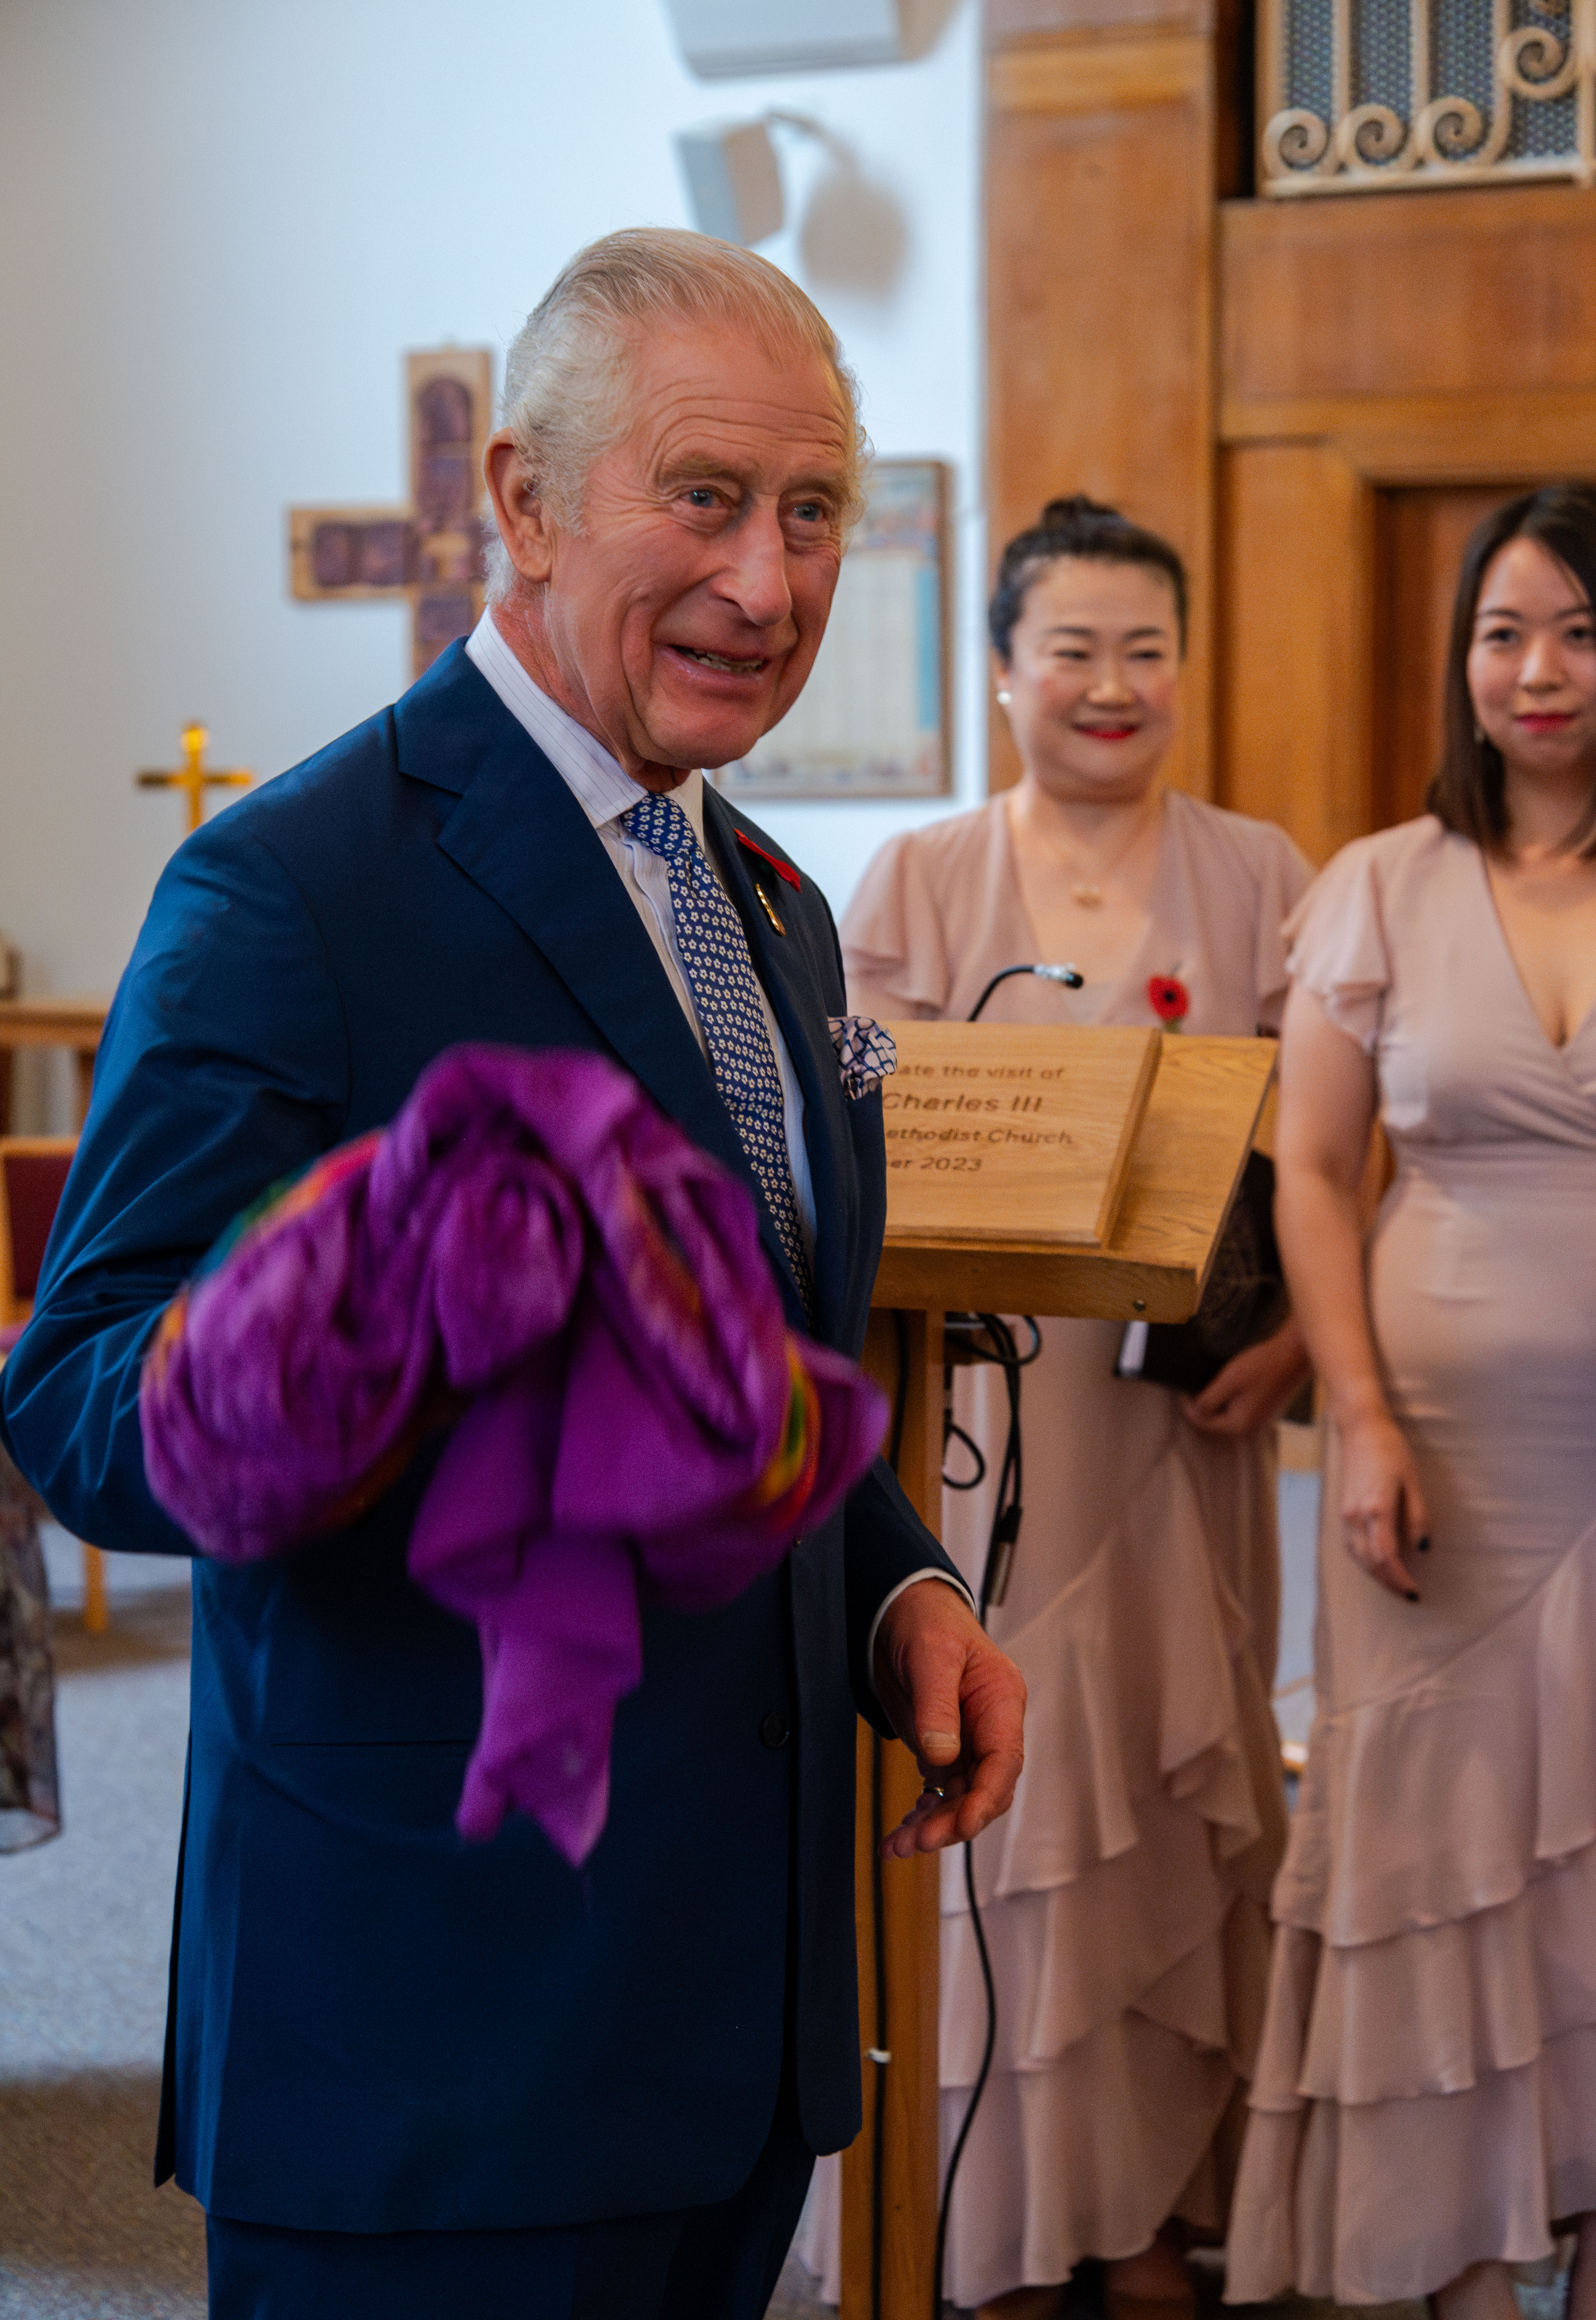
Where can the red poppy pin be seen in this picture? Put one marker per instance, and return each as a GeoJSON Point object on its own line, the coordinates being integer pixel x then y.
{"type": "Point", "coordinates": [782, 869]}
{"type": "Point", "coordinates": [1169, 999]}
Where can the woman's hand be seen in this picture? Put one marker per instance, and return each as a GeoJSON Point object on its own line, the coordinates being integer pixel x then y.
{"type": "Point", "coordinates": [1382, 1504]}
{"type": "Point", "coordinates": [1255, 1387]}
{"type": "Point", "coordinates": [1322, 1142]}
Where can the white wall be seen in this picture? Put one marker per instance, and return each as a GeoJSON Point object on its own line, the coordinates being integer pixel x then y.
{"type": "Point", "coordinates": [222, 221]}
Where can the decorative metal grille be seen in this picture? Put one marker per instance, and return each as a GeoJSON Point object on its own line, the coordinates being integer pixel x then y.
{"type": "Point", "coordinates": [1363, 94]}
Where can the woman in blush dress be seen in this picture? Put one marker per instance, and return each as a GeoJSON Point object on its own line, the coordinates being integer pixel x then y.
{"type": "Point", "coordinates": [1124, 1900]}
{"type": "Point", "coordinates": [1424, 2110]}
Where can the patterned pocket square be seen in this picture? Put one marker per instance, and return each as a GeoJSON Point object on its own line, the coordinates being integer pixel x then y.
{"type": "Point", "coordinates": [866, 1054]}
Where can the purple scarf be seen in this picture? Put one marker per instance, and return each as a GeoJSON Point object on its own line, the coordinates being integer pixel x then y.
{"type": "Point", "coordinates": [533, 1249]}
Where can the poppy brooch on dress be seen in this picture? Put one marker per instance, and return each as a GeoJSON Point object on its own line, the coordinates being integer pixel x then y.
{"type": "Point", "coordinates": [1169, 999]}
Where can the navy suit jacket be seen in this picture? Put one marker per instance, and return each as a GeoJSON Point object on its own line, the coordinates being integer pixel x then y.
{"type": "Point", "coordinates": [373, 2026]}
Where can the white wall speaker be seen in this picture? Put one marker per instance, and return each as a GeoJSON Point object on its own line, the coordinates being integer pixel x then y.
{"type": "Point", "coordinates": [734, 182]}
{"type": "Point", "coordinates": [721, 37]}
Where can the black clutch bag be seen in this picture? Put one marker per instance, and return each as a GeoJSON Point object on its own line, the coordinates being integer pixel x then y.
{"type": "Point", "coordinates": [1245, 1299]}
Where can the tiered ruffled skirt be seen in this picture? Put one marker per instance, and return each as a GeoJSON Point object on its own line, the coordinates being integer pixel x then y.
{"type": "Point", "coordinates": [1425, 2096]}
{"type": "Point", "coordinates": [1125, 1897]}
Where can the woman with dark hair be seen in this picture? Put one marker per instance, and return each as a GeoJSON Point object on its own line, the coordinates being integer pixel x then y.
{"type": "Point", "coordinates": [1424, 2112]}
{"type": "Point", "coordinates": [1125, 1903]}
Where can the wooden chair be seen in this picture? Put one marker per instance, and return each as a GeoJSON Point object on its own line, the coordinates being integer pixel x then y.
{"type": "Point", "coordinates": [32, 1174]}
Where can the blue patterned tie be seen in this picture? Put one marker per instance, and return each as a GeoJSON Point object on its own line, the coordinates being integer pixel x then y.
{"type": "Point", "coordinates": [720, 976]}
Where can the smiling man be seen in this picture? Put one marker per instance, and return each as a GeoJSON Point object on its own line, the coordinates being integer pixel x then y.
{"type": "Point", "coordinates": [674, 610]}
{"type": "Point", "coordinates": [405, 2077]}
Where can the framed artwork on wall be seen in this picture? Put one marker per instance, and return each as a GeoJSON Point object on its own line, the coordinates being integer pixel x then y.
{"type": "Point", "coordinates": [872, 721]}
{"type": "Point", "coordinates": [430, 551]}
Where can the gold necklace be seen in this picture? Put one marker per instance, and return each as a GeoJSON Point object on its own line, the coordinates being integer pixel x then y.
{"type": "Point", "coordinates": [1088, 892]}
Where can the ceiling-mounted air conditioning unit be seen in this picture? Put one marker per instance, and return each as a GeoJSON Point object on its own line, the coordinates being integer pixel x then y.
{"type": "Point", "coordinates": [720, 37]}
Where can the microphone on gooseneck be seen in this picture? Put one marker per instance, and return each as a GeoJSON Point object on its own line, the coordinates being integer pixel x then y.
{"type": "Point", "coordinates": [1071, 977]}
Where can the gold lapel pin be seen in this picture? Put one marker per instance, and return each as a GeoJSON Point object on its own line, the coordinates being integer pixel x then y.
{"type": "Point", "coordinates": [769, 912]}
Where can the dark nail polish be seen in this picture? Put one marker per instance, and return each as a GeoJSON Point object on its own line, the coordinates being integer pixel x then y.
{"type": "Point", "coordinates": [1423, 1544]}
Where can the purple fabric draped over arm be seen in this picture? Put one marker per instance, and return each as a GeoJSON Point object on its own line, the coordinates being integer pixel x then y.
{"type": "Point", "coordinates": [534, 1250]}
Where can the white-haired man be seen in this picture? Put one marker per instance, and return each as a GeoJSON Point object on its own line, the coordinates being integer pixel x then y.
{"type": "Point", "coordinates": [406, 2078]}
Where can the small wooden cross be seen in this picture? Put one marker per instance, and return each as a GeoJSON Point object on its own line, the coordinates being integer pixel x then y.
{"type": "Point", "coordinates": [194, 778]}
{"type": "Point", "coordinates": [430, 551]}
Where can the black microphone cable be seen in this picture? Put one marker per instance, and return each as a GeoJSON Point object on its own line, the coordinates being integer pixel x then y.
{"type": "Point", "coordinates": [880, 2053]}
{"type": "Point", "coordinates": [1002, 1349]}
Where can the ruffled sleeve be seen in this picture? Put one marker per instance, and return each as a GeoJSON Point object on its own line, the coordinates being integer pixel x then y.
{"type": "Point", "coordinates": [895, 947]}
{"type": "Point", "coordinates": [1284, 876]}
{"type": "Point", "coordinates": [1338, 947]}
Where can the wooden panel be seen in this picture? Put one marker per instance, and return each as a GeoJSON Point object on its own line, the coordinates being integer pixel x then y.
{"type": "Point", "coordinates": [1432, 293]}
{"type": "Point", "coordinates": [67, 1022]}
{"type": "Point", "coordinates": [1229, 24]}
{"type": "Point", "coordinates": [1007, 21]}
{"type": "Point", "coordinates": [910, 1921]}
{"type": "Point", "coordinates": [1432, 439]}
{"type": "Point", "coordinates": [1297, 579]}
{"type": "Point", "coordinates": [1099, 239]}
{"type": "Point", "coordinates": [1089, 76]}
{"type": "Point", "coordinates": [1185, 1166]}
{"type": "Point", "coordinates": [998, 1132]}
{"type": "Point", "coordinates": [1422, 537]}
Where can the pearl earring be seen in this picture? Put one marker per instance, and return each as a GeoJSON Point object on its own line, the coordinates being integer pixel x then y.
{"type": "Point", "coordinates": [1002, 700]}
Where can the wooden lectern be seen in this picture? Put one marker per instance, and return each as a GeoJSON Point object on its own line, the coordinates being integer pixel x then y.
{"type": "Point", "coordinates": [1112, 1208]}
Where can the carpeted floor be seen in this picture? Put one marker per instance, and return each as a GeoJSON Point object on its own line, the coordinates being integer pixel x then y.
{"type": "Point", "coordinates": [84, 1926]}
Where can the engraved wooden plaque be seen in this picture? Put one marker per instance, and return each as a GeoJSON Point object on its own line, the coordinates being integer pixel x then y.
{"type": "Point", "coordinates": [1012, 1133]}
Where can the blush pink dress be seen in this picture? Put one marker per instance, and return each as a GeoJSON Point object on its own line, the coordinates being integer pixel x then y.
{"type": "Point", "coordinates": [1125, 1897]}
{"type": "Point", "coordinates": [1425, 2095]}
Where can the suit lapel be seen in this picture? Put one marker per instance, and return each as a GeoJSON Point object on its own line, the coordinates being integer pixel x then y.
{"type": "Point", "coordinates": [519, 834]}
{"type": "Point", "coordinates": [782, 964]}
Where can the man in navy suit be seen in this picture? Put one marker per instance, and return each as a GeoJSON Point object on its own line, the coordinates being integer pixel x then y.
{"type": "Point", "coordinates": [404, 2076]}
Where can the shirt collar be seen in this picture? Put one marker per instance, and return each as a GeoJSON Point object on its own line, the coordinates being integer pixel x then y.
{"type": "Point", "coordinates": [601, 786]}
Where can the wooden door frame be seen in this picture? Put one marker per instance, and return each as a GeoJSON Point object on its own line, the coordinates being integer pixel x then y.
{"type": "Point", "coordinates": [1124, 93]}
{"type": "Point", "coordinates": [1365, 446]}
